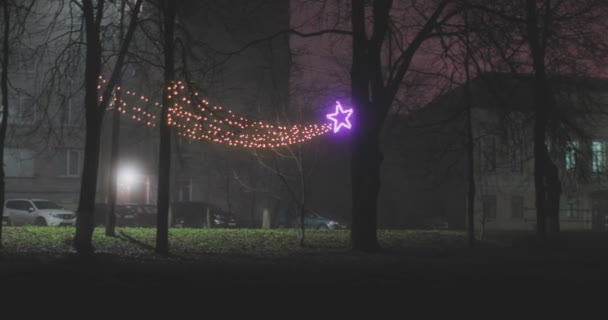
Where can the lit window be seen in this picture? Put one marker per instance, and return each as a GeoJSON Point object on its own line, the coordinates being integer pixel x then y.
{"type": "Point", "coordinates": [570, 156]}
{"type": "Point", "coordinates": [598, 163]}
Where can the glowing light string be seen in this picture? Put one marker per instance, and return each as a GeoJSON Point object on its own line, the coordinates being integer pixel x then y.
{"type": "Point", "coordinates": [194, 118]}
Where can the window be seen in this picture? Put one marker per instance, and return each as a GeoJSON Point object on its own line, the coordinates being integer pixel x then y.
{"type": "Point", "coordinates": [598, 162]}
{"type": "Point", "coordinates": [570, 156]}
{"type": "Point", "coordinates": [573, 211]}
{"type": "Point", "coordinates": [517, 207]}
{"type": "Point", "coordinates": [488, 154]}
{"type": "Point", "coordinates": [517, 158]}
{"type": "Point", "coordinates": [18, 205]}
{"type": "Point", "coordinates": [70, 113]}
{"type": "Point", "coordinates": [185, 190]}
{"type": "Point", "coordinates": [18, 162]}
{"type": "Point", "coordinates": [22, 109]}
{"type": "Point", "coordinates": [488, 205]}
{"type": "Point", "coordinates": [70, 162]}
{"type": "Point", "coordinates": [26, 60]}
{"type": "Point", "coordinates": [71, 110]}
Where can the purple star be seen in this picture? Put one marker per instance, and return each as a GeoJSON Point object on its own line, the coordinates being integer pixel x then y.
{"type": "Point", "coordinates": [340, 117]}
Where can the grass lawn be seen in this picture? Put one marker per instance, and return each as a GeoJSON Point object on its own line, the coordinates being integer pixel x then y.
{"type": "Point", "coordinates": [265, 271]}
{"type": "Point", "coordinates": [192, 244]}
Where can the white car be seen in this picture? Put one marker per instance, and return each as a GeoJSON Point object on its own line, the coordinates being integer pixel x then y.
{"type": "Point", "coordinates": [39, 212]}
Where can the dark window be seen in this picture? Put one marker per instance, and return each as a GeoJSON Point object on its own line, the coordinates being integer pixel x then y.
{"type": "Point", "coordinates": [488, 154]}
{"type": "Point", "coordinates": [70, 161]}
{"type": "Point", "coordinates": [46, 205]}
{"type": "Point", "coordinates": [573, 210]}
{"type": "Point", "coordinates": [18, 205]}
{"type": "Point", "coordinates": [12, 205]}
{"type": "Point", "coordinates": [517, 207]}
{"type": "Point", "coordinates": [185, 190]}
{"type": "Point", "coordinates": [489, 207]}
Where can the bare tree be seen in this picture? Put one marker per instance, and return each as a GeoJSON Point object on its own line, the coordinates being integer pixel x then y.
{"type": "Point", "coordinates": [111, 214]}
{"type": "Point", "coordinates": [5, 106]}
{"type": "Point", "coordinates": [164, 156]}
{"type": "Point", "coordinates": [11, 31]}
{"type": "Point", "coordinates": [95, 106]}
{"type": "Point", "coordinates": [373, 92]}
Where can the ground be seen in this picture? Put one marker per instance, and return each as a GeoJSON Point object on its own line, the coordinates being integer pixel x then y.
{"type": "Point", "coordinates": [516, 276]}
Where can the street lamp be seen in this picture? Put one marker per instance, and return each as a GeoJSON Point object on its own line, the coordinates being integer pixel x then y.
{"type": "Point", "coordinates": [128, 176]}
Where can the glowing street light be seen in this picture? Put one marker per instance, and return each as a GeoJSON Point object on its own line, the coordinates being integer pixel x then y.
{"type": "Point", "coordinates": [128, 176]}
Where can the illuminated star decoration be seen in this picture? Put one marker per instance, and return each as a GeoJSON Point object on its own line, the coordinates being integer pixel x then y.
{"type": "Point", "coordinates": [340, 117]}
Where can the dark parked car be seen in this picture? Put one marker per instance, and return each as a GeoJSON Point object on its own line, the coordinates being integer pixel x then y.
{"type": "Point", "coordinates": [146, 215]}
{"type": "Point", "coordinates": [435, 223]}
{"type": "Point", "coordinates": [193, 214]}
{"type": "Point", "coordinates": [312, 220]}
{"type": "Point", "coordinates": [126, 215]}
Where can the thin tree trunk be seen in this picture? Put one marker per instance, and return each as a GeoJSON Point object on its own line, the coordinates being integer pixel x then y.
{"type": "Point", "coordinates": [111, 214]}
{"type": "Point", "coordinates": [4, 88]}
{"type": "Point", "coordinates": [469, 143]}
{"type": "Point", "coordinates": [542, 161]}
{"type": "Point", "coordinates": [164, 157]}
{"type": "Point", "coordinates": [554, 191]}
{"type": "Point", "coordinates": [88, 187]}
{"type": "Point", "coordinates": [94, 111]}
{"type": "Point", "coordinates": [470, 165]}
{"type": "Point", "coordinates": [300, 165]}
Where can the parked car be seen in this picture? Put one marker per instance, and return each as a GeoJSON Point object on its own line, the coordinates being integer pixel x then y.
{"type": "Point", "coordinates": [317, 221]}
{"type": "Point", "coordinates": [435, 223]}
{"type": "Point", "coordinates": [312, 220]}
{"type": "Point", "coordinates": [126, 215]}
{"type": "Point", "coordinates": [193, 214]}
{"type": "Point", "coordinates": [145, 215]}
{"type": "Point", "coordinates": [40, 212]}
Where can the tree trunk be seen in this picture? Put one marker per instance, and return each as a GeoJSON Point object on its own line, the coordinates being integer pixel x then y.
{"type": "Point", "coordinates": [365, 155]}
{"type": "Point", "coordinates": [470, 143]}
{"type": "Point", "coordinates": [164, 157]}
{"type": "Point", "coordinates": [365, 172]}
{"type": "Point", "coordinates": [554, 191]}
{"type": "Point", "coordinates": [111, 214]}
{"type": "Point", "coordinates": [4, 88]}
{"type": "Point", "coordinates": [546, 177]}
{"type": "Point", "coordinates": [540, 115]}
{"type": "Point", "coordinates": [88, 186]}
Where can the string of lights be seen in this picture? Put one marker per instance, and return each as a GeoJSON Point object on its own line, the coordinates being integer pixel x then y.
{"type": "Point", "coordinates": [194, 118]}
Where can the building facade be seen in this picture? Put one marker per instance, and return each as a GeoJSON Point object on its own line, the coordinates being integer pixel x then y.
{"type": "Point", "coordinates": [431, 150]}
